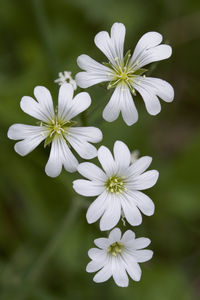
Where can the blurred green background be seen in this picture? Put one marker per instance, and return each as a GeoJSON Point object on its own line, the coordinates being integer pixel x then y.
{"type": "Point", "coordinates": [44, 236]}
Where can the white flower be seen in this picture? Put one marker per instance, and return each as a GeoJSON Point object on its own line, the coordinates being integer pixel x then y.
{"type": "Point", "coordinates": [118, 256]}
{"type": "Point", "coordinates": [66, 77]}
{"type": "Point", "coordinates": [57, 128]}
{"type": "Point", "coordinates": [124, 73]}
{"type": "Point", "coordinates": [117, 187]}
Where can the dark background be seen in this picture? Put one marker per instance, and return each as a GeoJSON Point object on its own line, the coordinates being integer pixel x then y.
{"type": "Point", "coordinates": [44, 236]}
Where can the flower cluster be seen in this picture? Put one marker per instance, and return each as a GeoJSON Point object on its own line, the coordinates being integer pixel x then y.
{"type": "Point", "coordinates": [119, 182]}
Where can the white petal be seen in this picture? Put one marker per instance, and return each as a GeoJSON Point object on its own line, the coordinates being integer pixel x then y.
{"type": "Point", "coordinates": [151, 101]}
{"type": "Point", "coordinates": [68, 159]}
{"type": "Point", "coordinates": [35, 109]}
{"type": "Point", "coordinates": [102, 243]}
{"type": "Point", "coordinates": [54, 164]}
{"type": "Point", "coordinates": [154, 54]}
{"type": "Point", "coordinates": [28, 145]}
{"type": "Point", "coordinates": [148, 50]}
{"type": "Point", "coordinates": [148, 40]}
{"type": "Point", "coordinates": [139, 166]}
{"type": "Point", "coordinates": [64, 99]}
{"type": "Point", "coordinates": [115, 235]}
{"type": "Point", "coordinates": [60, 155]}
{"type": "Point", "coordinates": [143, 202]}
{"type": "Point", "coordinates": [129, 235]}
{"type": "Point", "coordinates": [95, 72]}
{"type": "Point", "coordinates": [44, 98]}
{"type": "Point", "coordinates": [80, 103]}
{"type": "Point", "coordinates": [97, 254]}
{"type": "Point", "coordinates": [131, 212]}
{"type": "Point", "coordinates": [104, 274]}
{"type": "Point", "coordinates": [122, 154]}
{"type": "Point", "coordinates": [143, 255]}
{"type": "Point", "coordinates": [78, 137]}
{"type": "Point", "coordinates": [21, 131]}
{"type": "Point", "coordinates": [133, 268]}
{"type": "Point", "coordinates": [105, 44]}
{"type": "Point", "coordinates": [99, 259]}
{"type": "Point", "coordinates": [112, 109]}
{"type": "Point", "coordinates": [87, 188]}
{"type": "Point", "coordinates": [119, 274]}
{"type": "Point", "coordinates": [94, 266]}
{"type": "Point", "coordinates": [91, 172]}
{"type": "Point", "coordinates": [118, 32]}
{"type": "Point", "coordinates": [90, 134]}
{"type": "Point", "coordinates": [32, 135]}
{"type": "Point", "coordinates": [159, 87]}
{"type": "Point", "coordinates": [145, 181]}
{"type": "Point", "coordinates": [106, 160]}
{"type": "Point", "coordinates": [83, 148]}
{"type": "Point", "coordinates": [92, 66]}
{"type": "Point", "coordinates": [112, 213]}
{"type": "Point", "coordinates": [97, 208]}
{"type": "Point", "coordinates": [87, 79]}
{"type": "Point", "coordinates": [141, 243]}
{"type": "Point", "coordinates": [112, 47]}
{"type": "Point", "coordinates": [128, 109]}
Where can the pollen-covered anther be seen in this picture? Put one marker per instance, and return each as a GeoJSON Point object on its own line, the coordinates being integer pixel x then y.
{"type": "Point", "coordinates": [115, 248]}
{"type": "Point", "coordinates": [115, 184]}
{"type": "Point", "coordinates": [56, 128]}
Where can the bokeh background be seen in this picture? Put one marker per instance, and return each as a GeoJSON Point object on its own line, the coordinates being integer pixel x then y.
{"type": "Point", "coordinates": [44, 236]}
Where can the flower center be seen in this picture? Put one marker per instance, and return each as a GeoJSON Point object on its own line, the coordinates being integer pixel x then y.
{"type": "Point", "coordinates": [56, 129]}
{"type": "Point", "coordinates": [124, 73]}
{"type": "Point", "coordinates": [115, 184]}
{"type": "Point", "coordinates": [123, 76]}
{"type": "Point", "coordinates": [115, 248]}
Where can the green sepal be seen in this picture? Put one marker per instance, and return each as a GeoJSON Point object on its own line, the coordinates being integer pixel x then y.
{"type": "Point", "coordinates": [39, 123]}
{"type": "Point", "coordinates": [127, 57]}
{"type": "Point", "coordinates": [112, 84]}
{"type": "Point", "coordinates": [48, 141]}
{"type": "Point", "coordinates": [133, 91]}
{"type": "Point", "coordinates": [69, 124]}
{"type": "Point", "coordinates": [140, 71]}
{"type": "Point", "coordinates": [107, 65]}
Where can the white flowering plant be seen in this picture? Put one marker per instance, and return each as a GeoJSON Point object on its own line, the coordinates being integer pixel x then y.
{"type": "Point", "coordinates": [56, 128]}
{"type": "Point", "coordinates": [119, 180]}
{"type": "Point", "coordinates": [125, 73]}
{"type": "Point", "coordinates": [118, 256]}
{"type": "Point", "coordinates": [118, 187]}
